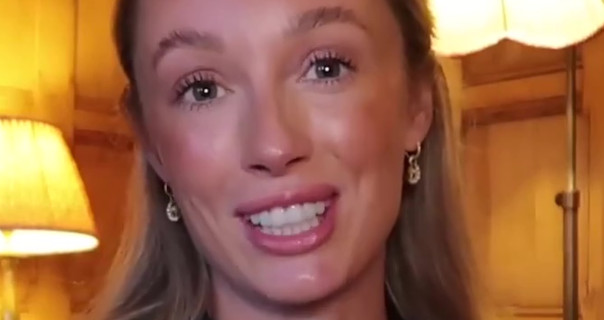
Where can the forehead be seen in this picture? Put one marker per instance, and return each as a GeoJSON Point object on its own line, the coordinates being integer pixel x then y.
{"type": "Point", "coordinates": [245, 18]}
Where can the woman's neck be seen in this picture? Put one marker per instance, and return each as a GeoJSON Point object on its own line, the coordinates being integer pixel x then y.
{"type": "Point", "coordinates": [363, 299]}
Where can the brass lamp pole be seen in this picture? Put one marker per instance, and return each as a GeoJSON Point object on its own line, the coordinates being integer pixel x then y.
{"type": "Point", "coordinates": [568, 200]}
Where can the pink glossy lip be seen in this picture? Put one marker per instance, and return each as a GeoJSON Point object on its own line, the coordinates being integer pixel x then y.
{"type": "Point", "coordinates": [294, 244]}
{"type": "Point", "coordinates": [311, 194]}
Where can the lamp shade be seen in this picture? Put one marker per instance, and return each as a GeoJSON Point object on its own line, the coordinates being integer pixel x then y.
{"type": "Point", "coordinates": [467, 26]}
{"type": "Point", "coordinates": [43, 205]}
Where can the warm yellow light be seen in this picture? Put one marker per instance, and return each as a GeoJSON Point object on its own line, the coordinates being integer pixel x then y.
{"type": "Point", "coordinates": [466, 26]}
{"type": "Point", "coordinates": [43, 204]}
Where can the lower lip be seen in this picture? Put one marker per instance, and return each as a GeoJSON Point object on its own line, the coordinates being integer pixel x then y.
{"type": "Point", "coordinates": [296, 244]}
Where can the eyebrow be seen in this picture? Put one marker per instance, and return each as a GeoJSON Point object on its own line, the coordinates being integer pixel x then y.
{"type": "Point", "coordinates": [302, 23]}
{"type": "Point", "coordinates": [186, 38]}
{"type": "Point", "coordinates": [322, 16]}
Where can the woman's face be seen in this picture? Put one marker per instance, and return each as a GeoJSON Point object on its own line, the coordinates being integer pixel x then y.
{"type": "Point", "coordinates": [281, 127]}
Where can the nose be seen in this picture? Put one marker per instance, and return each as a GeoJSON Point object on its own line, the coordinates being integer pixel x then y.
{"type": "Point", "coordinates": [276, 139]}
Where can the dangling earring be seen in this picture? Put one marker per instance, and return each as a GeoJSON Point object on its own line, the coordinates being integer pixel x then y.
{"type": "Point", "coordinates": [171, 208]}
{"type": "Point", "coordinates": [414, 172]}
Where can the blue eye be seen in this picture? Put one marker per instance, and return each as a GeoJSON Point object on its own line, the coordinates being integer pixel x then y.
{"type": "Point", "coordinates": [203, 91]}
{"type": "Point", "coordinates": [327, 67]}
{"type": "Point", "coordinates": [199, 89]}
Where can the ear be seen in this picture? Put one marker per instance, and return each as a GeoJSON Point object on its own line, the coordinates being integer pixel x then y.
{"type": "Point", "coordinates": [420, 115]}
{"type": "Point", "coordinates": [150, 151]}
{"type": "Point", "coordinates": [153, 157]}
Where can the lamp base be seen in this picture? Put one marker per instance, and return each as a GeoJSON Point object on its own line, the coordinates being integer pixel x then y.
{"type": "Point", "coordinates": [8, 290]}
{"type": "Point", "coordinates": [9, 315]}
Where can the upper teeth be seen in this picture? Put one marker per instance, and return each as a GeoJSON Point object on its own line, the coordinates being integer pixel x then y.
{"type": "Point", "coordinates": [278, 216]}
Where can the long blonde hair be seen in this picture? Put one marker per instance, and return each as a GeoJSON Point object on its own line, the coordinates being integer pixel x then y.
{"type": "Point", "coordinates": [158, 273]}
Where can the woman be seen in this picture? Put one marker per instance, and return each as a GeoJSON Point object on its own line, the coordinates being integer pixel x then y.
{"type": "Point", "coordinates": [298, 163]}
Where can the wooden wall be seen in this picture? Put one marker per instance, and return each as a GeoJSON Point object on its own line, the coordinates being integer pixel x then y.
{"type": "Point", "coordinates": [514, 160]}
{"type": "Point", "coordinates": [57, 64]}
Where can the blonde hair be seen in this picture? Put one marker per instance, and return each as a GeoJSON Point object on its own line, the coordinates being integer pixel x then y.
{"type": "Point", "coordinates": [158, 273]}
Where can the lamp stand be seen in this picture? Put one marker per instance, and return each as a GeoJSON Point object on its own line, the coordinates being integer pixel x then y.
{"type": "Point", "coordinates": [8, 290]}
{"type": "Point", "coordinates": [568, 200]}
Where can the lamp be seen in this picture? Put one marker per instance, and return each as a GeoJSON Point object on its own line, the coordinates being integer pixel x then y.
{"type": "Point", "coordinates": [467, 26]}
{"type": "Point", "coordinates": [44, 209]}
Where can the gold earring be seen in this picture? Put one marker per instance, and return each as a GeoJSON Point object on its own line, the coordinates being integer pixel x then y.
{"type": "Point", "coordinates": [414, 171]}
{"type": "Point", "coordinates": [172, 211]}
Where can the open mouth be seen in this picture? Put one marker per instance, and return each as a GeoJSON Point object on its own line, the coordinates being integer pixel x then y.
{"type": "Point", "coordinates": [291, 220]}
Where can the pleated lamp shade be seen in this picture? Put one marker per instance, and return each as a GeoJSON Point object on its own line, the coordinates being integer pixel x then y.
{"type": "Point", "coordinates": [44, 208]}
{"type": "Point", "coordinates": [468, 26]}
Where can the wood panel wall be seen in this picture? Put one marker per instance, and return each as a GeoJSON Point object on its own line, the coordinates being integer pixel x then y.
{"type": "Point", "coordinates": [515, 162]}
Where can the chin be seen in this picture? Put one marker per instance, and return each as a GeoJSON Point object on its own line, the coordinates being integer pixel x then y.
{"type": "Point", "coordinates": [300, 283]}
{"type": "Point", "coordinates": [299, 293]}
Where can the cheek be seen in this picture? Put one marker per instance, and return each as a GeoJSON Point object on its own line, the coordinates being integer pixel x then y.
{"type": "Point", "coordinates": [198, 159]}
{"type": "Point", "coordinates": [368, 145]}
{"type": "Point", "coordinates": [367, 132]}
{"type": "Point", "coordinates": [196, 156]}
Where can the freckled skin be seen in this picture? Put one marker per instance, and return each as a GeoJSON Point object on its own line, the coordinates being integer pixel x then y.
{"type": "Point", "coordinates": [270, 130]}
